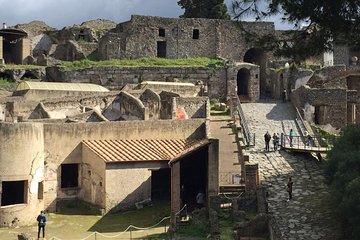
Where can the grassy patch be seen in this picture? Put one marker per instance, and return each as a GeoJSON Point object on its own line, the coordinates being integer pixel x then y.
{"type": "Point", "coordinates": [145, 217]}
{"type": "Point", "coordinates": [145, 62]}
{"type": "Point", "coordinates": [19, 66]}
{"type": "Point", "coordinates": [6, 82]}
{"type": "Point", "coordinates": [197, 230]}
{"type": "Point", "coordinates": [226, 224]}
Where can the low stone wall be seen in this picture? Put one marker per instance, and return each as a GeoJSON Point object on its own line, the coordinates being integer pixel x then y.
{"type": "Point", "coordinates": [117, 76]}
{"type": "Point", "coordinates": [19, 73]}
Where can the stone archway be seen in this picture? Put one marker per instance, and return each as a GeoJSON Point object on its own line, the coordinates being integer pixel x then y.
{"type": "Point", "coordinates": [242, 82]}
{"type": "Point", "coordinates": [258, 57]}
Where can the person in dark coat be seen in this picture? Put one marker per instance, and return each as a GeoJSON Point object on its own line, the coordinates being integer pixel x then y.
{"type": "Point", "coordinates": [267, 138]}
{"type": "Point", "coordinates": [289, 188]}
{"type": "Point", "coordinates": [41, 219]}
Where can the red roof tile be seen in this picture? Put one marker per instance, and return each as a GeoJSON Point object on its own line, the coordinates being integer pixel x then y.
{"type": "Point", "coordinates": [142, 150]}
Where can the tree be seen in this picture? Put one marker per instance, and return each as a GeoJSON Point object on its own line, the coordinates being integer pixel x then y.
{"type": "Point", "coordinates": [343, 171]}
{"type": "Point", "coordinates": [214, 9]}
{"type": "Point", "coordinates": [318, 23]}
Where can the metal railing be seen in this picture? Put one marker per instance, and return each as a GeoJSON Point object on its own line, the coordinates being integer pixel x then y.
{"type": "Point", "coordinates": [301, 126]}
{"type": "Point", "coordinates": [250, 139]}
{"type": "Point", "coordinates": [307, 143]}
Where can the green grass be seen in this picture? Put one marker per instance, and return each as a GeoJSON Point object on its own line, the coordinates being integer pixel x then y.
{"type": "Point", "coordinates": [6, 82]}
{"type": "Point", "coordinates": [19, 66]}
{"type": "Point", "coordinates": [145, 217]}
{"type": "Point", "coordinates": [145, 62]}
{"type": "Point", "coordinates": [198, 230]}
{"type": "Point", "coordinates": [226, 225]}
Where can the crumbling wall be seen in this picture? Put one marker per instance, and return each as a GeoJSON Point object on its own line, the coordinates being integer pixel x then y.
{"type": "Point", "coordinates": [22, 159]}
{"type": "Point", "coordinates": [194, 107]}
{"type": "Point", "coordinates": [183, 37]}
{"type": "Point", "coordinates": [152, 102]}
{"type": "Point", "coordinates": [334, 102]}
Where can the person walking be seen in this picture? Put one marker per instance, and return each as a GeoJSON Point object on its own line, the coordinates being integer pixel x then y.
{"type": "Point", "coordinates": [306, 138]}
{"type": "Point", "coordinates": [289, 188]}
{"type": "Point", "coordinates": [291, 137]}
{"type": "Point", "coordinates": [41, 219]}
{"type": "Point", "coordinates": [284, 95]}
{"type": "Point", "coordinates": [267, 138]}
{"type": "Point", "coordinates": [275, 141]}
{"type": "Point", "coordinates": [200, 199]}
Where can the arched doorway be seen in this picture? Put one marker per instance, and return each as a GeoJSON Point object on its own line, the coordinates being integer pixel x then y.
{"type": "Point", "coordinates": [254, 56]}
{"type": "Point", "coordinates": [257, 56]}
{"type": "Point", "coordinates": [242, 82]}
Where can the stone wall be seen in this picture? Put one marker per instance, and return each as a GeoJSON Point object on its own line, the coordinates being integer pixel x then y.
{"type": "Point", "coordinates": [19, 73]}
{"type": "Point", "coordinates": [333, 102]}
{"type": "Point", "coordinates": [194, 107]}
{"type": "Point", "coordinates": [341, 55]}
{"type": "Point", "coordinates": [180, 37]}
{"type": "Point", "coordinates": [253, 81]}
{"type": "Point", "coordinates": [168, 106]}
{"type": "Point", "coordinates": [22, 159]}
{"type": "Point", "coordinates": [152, 102]}
{"type": "Point", "coordinates": [116, 77]}
{"type": "Point", "coordinates": [132, 108]}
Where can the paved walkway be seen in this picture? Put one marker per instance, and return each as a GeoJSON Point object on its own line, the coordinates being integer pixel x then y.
{"type": "Point", "coordinates": [307, 216]}
{"type": "Point", "coordinates": [229, 166]}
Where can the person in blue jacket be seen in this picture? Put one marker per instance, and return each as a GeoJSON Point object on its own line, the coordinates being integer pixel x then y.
{"type": "Point", "coordinates": [41, 219]}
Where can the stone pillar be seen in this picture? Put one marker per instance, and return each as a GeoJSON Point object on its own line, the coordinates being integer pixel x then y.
{"type": "Point", "coordinates": [1, 51]}
{"type": "Point", "coordinates": [175, 192]}
{"type": "Point", "coordinates": [251, 177]}
{"type": "Point", "coordinates": [25, 48]}
{"type": "Point", "coordinates": [213, 168]}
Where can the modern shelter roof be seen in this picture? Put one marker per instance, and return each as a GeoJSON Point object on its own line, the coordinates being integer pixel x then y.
{"type": "Point", "coordinates": [144, 83]}
{"type": "Point", "coordinates": [81, 87]}
{"type": "Point", "coordinates": [112, 151]}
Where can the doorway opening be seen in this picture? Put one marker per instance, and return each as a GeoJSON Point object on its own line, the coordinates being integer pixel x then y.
{"type": "Point", "coordinates": [161, 49]}
{"type": "Point", "coordinates": [160, 184]}
{"type": "Point", "coordinates": [69, 175]}
{"type": "Point", "coordinates": [242, 82]}
{"type": "Point", "coordinates": [194, 172]}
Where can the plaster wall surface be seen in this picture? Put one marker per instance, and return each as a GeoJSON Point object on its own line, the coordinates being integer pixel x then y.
{"type": "Point", "coordinates": [22, 159]}
{"type": "Point", "coordinates": [128, 183]}
{"type": "Point", "coordinates": [93, 178]}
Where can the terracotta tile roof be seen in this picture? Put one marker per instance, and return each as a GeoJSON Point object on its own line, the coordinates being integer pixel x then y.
{"type": "Point", "coordinates": [142, 150]}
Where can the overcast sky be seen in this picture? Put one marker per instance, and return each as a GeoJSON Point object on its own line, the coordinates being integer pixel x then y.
{"type": "Point", "coordinates": [61, 13]}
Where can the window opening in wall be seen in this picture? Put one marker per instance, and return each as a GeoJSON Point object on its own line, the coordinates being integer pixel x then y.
{"type": "Point", "coordinates": [13, 192]}
{"type": "Point", "coordinates": [161, 32]}
{"type": "Point", "coordinates": [161, 49]}
{"type": "Point", "coordinates": [81, 35]}
{"type": "Point", "coordinates": [41, 190]}
{"type": "Point", "coordinates": [196, 33]}
{"type": "Point", "coordinates": [69, 175]}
